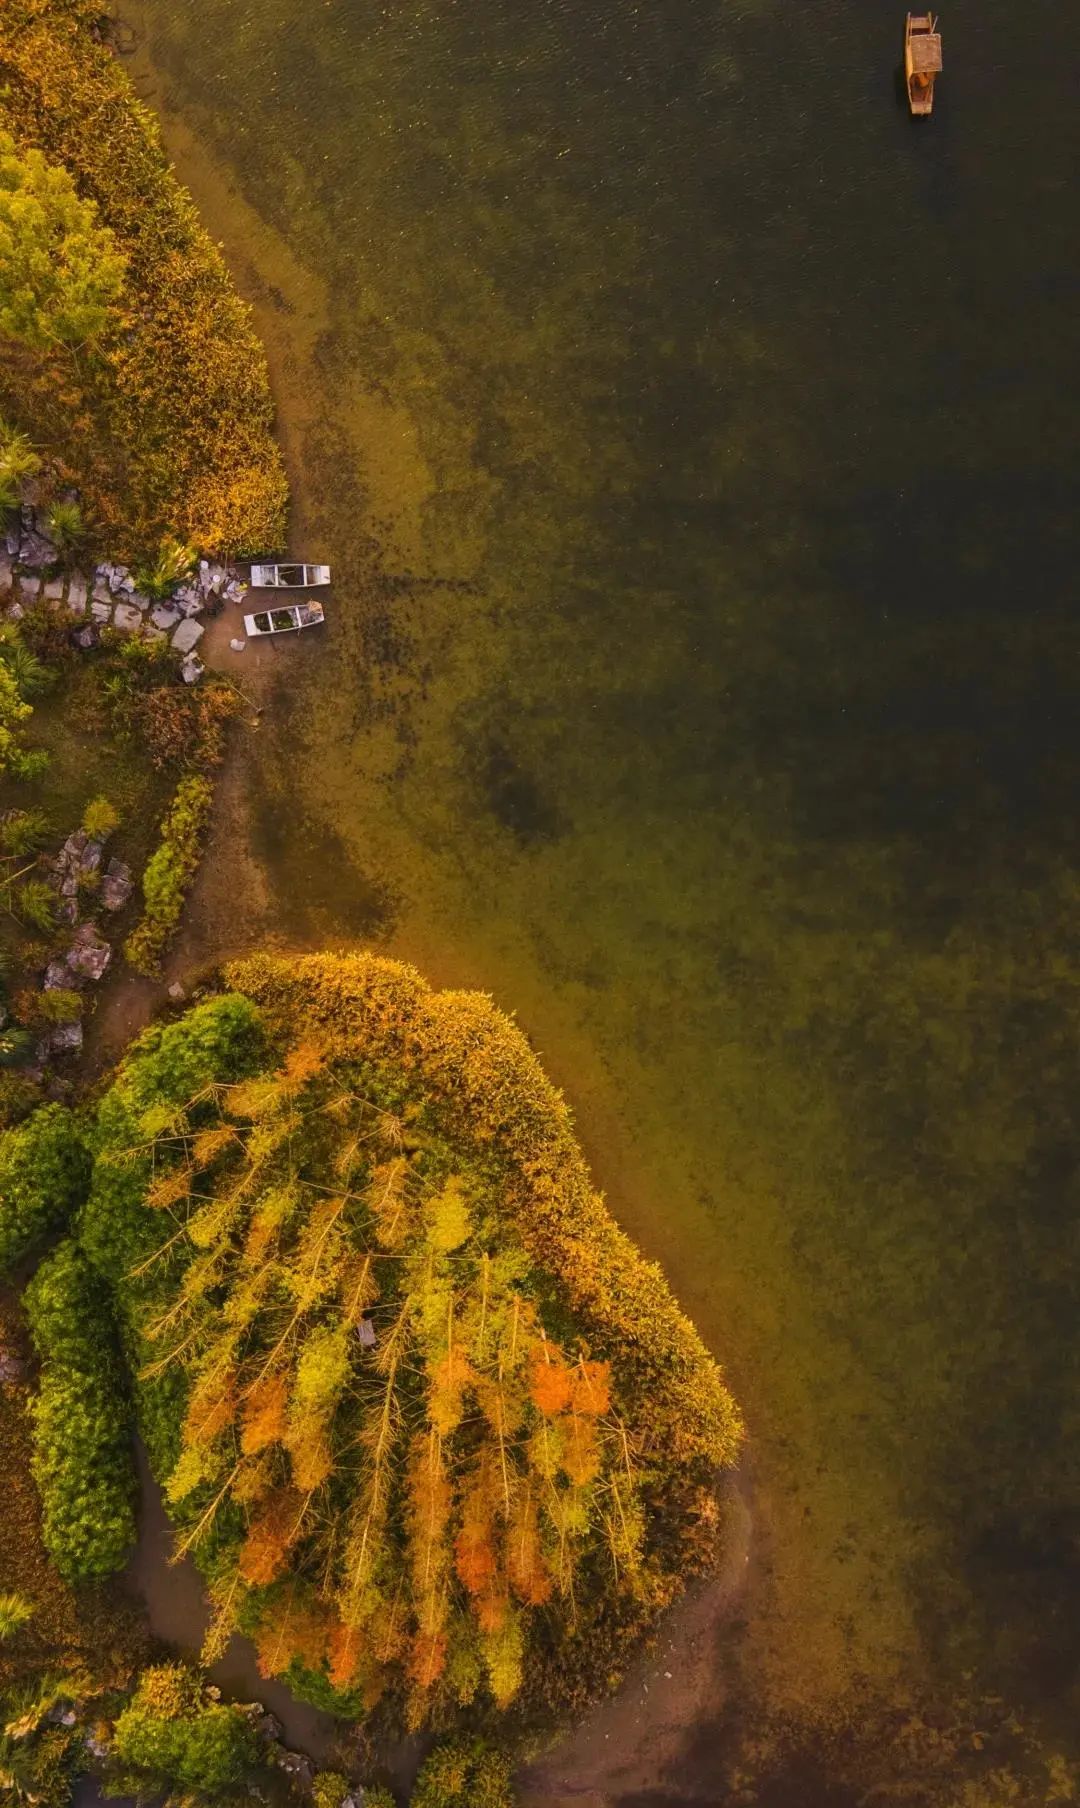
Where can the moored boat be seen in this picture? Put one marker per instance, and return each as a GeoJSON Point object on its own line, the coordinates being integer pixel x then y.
{"type": "Point", "coordinates": [289, 619]}
{"type": "Point", "coordinates": [294, 576]}
{"type": "Point", "coordinates": [922, 61]}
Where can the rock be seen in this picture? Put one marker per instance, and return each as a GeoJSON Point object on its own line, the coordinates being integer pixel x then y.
{"type": "Point", "coordinates": [53, 590]}
{"type": "Point", "coordinates": [77, 590]}
{"type": "Point", "coordinates": [116, 886]}
{"type": "Point", "coordinates": [16, 612]}
{"type": "Point", "coordinates": [296, 1766]}
{"type": "Point", "coordinates": [68, 910]}
{"type": "Point", "coordinates": [119, 578]}
{"type": "Point", "coordinates": [58, 977]}
{"type": "Point", "coordinates": [177, 992]}
{"type": "Point", "coordinates": [192, 669]}
{"type": "Point", "coordinates": [163, 615]}
{"type": "Point", "coordinates": [154, 634]}
{"type": "Point", "coordinates": [101, 612]}
{"type": "Point", "coordinates": [65, 1039]}
{"type": "Point", "coordinates": [12, 1367]}
{"type": "Point", "coordinates": [89, 954]}
{"type": "Point", "coordinates": [234, 591]}
{"type": "Point", "coordinates": [187, 636]}
{"type": "Point", "coordinates": [5, 571]}
{"type": "Point", "coordinates": [188, 599]}
{"type": "Point", "coordinates": [75, 608]}
{"type": "Point", "coordinates": [126, 618]}
{"type": "Point", "coordinates": [97, 1745]}
{"type": "Point", "coordinates": [11, 542]}
{"type": "Point", "coordinates": [139, 601]}
{"type": "Point", "coordinates": [238, 645]}
{"type": "Point", "coordinates": [268, 1726]}
{"type": "Point", "coordinates": [29, 587]}
{"type": "Point", "coordinates": [102, 593]}
{"type": "Point", "coordinates": [90, 854]}
{"type": "Point", "coordinates": [86, 639]}
{"type": "Point", "coordinates": [61, 1716]}
{"type": "Point", "coordinates": [36, 549]}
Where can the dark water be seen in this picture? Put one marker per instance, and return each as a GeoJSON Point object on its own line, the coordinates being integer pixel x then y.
{"type": "Point", "coordinates": [694, 438]}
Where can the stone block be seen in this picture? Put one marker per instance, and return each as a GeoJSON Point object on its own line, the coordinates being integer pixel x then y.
{"type": "Point", "coordinates": [77, 589]}
{"type": "Point", "coordinates": [164, 616]}
{"type": "Point", "coordinates": [101, 612]}
{"type": "Point", "coordinates": [187, 636]}
{"type": "Point", "coordinates": [53, 590]}
{"type": "Point", "coordinates": [126, 618]}
{"type": "Point", "coordinates": [29, 586]}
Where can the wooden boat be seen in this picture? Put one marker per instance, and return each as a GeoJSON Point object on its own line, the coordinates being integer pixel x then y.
{"type": "Point", "coordinates": [289, 577]}
{"type": "Point", "coordinates": [922, 61]}
{"type": "Point", "coordinates": [287, 620]}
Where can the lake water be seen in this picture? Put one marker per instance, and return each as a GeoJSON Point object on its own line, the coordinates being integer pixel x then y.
{"type": "Point", "coordinates": [693, 437]}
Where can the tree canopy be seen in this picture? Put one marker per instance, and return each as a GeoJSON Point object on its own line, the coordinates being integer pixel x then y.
{"type": "Point", "coordinates": [60, 270]}
{"type": "Point", "coordinates": [417, 1455]}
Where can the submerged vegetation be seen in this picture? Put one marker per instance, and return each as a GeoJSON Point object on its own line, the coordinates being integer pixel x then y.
{"type": "Point", "coordinates": [164, 418]}
{"type": "Point", "coordinates": [436, 1435]}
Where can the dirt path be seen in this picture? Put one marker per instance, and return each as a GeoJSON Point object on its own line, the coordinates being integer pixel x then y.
{"type": "Point", "coordinates": [628, 1751]}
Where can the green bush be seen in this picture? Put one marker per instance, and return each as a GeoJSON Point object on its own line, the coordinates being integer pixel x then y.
{"type": "Point", "coordinates": [82, 1421]}
{"type": "Point", "coordinates": [100, 818]}
{"type": "Point", "coordinates": [175, 1736]}
{"type": "Point", "coordinates": [169, 872]}
{"type": "Point", "coordinates": [330, 1789]}
{"type": "Point", "coordinates": [463, 1773]}
{"type": "Point", "coordinates": [44, 1171]}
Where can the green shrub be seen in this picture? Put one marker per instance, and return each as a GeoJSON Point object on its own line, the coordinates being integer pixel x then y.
{"type": "Point", "coordinates": [18, 460]}
{"type": "Point", "coordinates": [60, 271]}
{"type": "Point", "coordinates": [66, 526]}
{"type": "Point", "coordinates": [15, 1610]}
{"type": "Point", "coordinates": [175, 1736]}
{"type": "Point", "coordinates": [82, 1421]}
{"type": "Point", "coordinates": [101, 819]}
{"type": "Point", "coordinates": [169, 872]}
{"type": "Point", "coordinates": [171, 563]}
{"type": "Point", "coordinates": [330, 1789]}
{"type": "Point", "coordinates": [23, 831]}
{"type": "Point", "coordinates": [44, 1171]}
{"type": "Point", "coordinates": [463, 1773]}
{"type": "Point", "coordinates": [36, 904]}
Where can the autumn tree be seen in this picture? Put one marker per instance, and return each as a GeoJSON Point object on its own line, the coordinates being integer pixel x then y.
{"type": "Point", "coordinates": [60, 271]}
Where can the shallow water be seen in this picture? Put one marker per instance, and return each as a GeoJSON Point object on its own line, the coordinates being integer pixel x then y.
{"type": "Point", "coordinates": [691, 436]}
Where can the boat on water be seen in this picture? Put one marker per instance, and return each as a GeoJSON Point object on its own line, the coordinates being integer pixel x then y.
{"type": "Point", "coordinates": [922, 61]}
{"type": "Point", "coordinates": [289, 619]}
{"type": "Point", "coordinates": [289, 577]}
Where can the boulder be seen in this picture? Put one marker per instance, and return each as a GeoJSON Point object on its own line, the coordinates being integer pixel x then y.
{"type": "Point", "coordinates": [164, 616]}
{"type": "Point", "coordinates": [65, 1039]}
{"type": "Point", "coordinates": [126, 618]}
{"type": "Point", "coordinates": [58, 977]}
{"type": "Point", "coordinates": [297, 1767]}
{"type": "Point", "coordinates": [29, 586]}
{"type": "Point", "coordinates": [178, 995]}
{"type": "Point", "coordinates": [86, 639]}
{"type": "Point", "coordinates": [188, 599]}
{"type": "Point", "coordinates": [192, 669]}
{"type": "Point", "coordinates": [187, 636]}
{"type": "Point", "coordinates": [238, 644]}
{"type": "Point", "coordinates": [12, 1367]}
{"type": "Point", "coordinates": [36, 549]}
{"type": "Point", "coordinates": [89, 954]}
{"type": "Point", "coordinates": [116, 886]}
{"type": "Point", "coordinates": [90, 854]}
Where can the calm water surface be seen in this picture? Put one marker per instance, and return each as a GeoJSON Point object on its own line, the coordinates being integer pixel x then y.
{"type": "Point", "coordinates": [694, 441]}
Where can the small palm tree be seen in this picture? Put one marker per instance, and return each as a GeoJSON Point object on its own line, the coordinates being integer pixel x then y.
{"type": "Point", "coordinates": [23, 831]}
{"type": "Point", "coordinates": [36, 904]}
{"type": "Point", "coordinates": [66, 526]}
{"type": "Point", "coordinates": [18, 460]}
{"type": "Point", "coordinates": [173, 561]}
{"type": "Point", "coordinates": [16, 1046]}
{"type": "Point", "coordinates": [30, 673]}
{"type": "Point", "coordinates": [100, 819]}
{"type": "Point", "coordinates": [15, 1610]}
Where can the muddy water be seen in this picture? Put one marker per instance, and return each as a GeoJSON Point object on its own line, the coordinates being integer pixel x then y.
{"type": "Point", "coordinates": [689, 435]}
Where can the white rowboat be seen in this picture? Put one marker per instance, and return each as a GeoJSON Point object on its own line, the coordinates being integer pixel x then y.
{"type": "Point", "coordinates": [288, 577]}
{"type": "Point", "coordinates": [289, 619]}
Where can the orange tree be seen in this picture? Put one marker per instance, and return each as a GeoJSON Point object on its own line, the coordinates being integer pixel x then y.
{"type": "Point", "coordinates": [436, 1434]}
